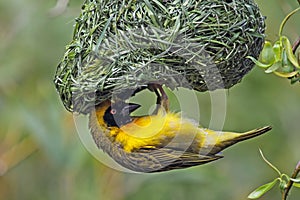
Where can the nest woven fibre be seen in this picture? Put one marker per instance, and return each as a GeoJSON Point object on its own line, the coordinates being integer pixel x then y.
{"type": "Point", "coordinates": [124, 45]}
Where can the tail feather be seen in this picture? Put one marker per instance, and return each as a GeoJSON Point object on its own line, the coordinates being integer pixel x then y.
{"type": "Point", "coordinates": [253, 133]}
{"type": "Point", "coordinates": [230, 139]}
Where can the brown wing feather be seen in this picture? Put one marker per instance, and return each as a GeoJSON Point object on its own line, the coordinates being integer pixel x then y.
{"type": "Point", "coordinates": [164, 159]}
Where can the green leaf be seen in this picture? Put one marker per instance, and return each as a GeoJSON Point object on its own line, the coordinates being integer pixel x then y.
{"type": "Point", "coordinates": [262, 190]}
{"type": "Point", "coordinates": [277, 48]}
{"type": "Point", "coordinates": [259, 64]}
{"type": "Point", "coordinates": [287, 66]}
{"type": "Point", "coordinates": [274, 67]}
{"type": "Point", "coordinates": [267, 54]}
{"type": "Point", "coordinates": [295, 80]}
{"type": "Point", "coordinates": [296, 185]}
{"type": "Point", "coordinates": [288, 47]}
{"type": "Point", "coordinates": [295, 180]}
{"type": "Point", "coordinates": [282, 185]}
{"type": "Point", "coordinates": [286, 75]}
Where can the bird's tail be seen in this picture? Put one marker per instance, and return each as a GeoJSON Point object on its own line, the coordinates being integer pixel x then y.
{"type": "Point", "coordinates": [226, 139]}
{"type": "Point", "coordinates": [253, 133]}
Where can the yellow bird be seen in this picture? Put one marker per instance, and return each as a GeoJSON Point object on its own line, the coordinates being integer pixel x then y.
{"type": "Point", "coordinates": [159, 142]}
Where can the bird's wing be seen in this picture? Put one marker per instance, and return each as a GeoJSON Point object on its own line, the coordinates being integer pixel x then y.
{"type": "Point", "coordinates": [173, 159]}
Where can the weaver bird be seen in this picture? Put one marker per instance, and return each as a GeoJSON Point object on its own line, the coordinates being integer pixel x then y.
{"type": "Point", "coordinates": [159, 142]}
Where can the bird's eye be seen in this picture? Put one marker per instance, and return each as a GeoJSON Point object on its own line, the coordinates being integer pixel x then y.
{"type": "Point", "coordinates": [113, 111]}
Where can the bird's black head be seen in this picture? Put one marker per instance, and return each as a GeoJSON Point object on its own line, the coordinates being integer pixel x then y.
{"type": "Point", "coordinates": [118, 114]}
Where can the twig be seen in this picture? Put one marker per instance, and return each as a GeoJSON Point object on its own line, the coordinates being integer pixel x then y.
{"type": "Point", "coordinates": [290, 183]}
{"type": "Point", "coordinates": [296, 44]}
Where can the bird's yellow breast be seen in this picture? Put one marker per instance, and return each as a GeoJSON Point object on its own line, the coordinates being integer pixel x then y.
{"type": "Point", "coordinates": [152, 131]}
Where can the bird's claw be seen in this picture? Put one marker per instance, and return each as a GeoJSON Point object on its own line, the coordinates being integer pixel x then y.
{"type": "Point", "coordinates": [162, 99]}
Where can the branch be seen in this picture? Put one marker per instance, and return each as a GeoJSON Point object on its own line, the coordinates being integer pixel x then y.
{"type": "Point", "coordinates": [290, 183]}
{"type": "Point", "coordinates": [296, 44]}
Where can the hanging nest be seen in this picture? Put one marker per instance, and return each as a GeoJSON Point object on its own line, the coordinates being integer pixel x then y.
{"type": "Point", "coordinates": [121, 46]}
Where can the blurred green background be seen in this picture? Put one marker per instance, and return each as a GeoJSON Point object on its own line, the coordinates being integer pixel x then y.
{"type": "Point", "coordinates": [42, 157]}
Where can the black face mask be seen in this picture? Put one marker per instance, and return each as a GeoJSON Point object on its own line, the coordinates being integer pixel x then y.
{"type": "Point", "coordinates": [118, 114]}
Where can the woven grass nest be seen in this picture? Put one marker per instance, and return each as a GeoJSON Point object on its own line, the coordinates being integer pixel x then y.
{"type": "Point", "coordinates": [121, 46]}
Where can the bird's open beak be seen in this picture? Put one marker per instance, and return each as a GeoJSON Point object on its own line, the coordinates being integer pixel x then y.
{"type": "Point", "coordinates": [129, 108]}
{"type": "Point", "coordinates": [132, 107]}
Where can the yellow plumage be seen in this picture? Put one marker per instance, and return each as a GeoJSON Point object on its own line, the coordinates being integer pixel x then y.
{"type": "Point", "coordinates": [160, 142]}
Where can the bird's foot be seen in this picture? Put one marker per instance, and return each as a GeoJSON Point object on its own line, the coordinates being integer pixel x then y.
{"type": "Point", "coordinates": [162, 99]}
